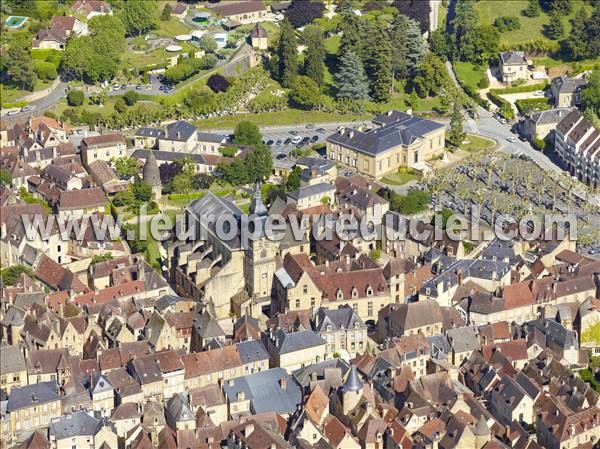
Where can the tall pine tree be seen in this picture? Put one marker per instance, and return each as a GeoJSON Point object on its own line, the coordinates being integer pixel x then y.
{"type": "Point", "coordinates": [455, 134]}
{"type": "Point", "coordinates": [398, 38]}
{"type": "Point", "coordinates": [379, 65]}
{"type": "Point", "coordinates": [350, 80]}
{"type": "Point", "coordinates": [416, 46]}
{"type": "Point", "coordinates": [314, 59]}
{"type": "Point", "coordinates": [287, 52]}
{"type": "Point", "coordinates": [576, 43]}
{"type": "Point", "coordinates": [555, 29]}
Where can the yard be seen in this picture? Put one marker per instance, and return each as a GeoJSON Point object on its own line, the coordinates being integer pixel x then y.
{"type": "Point", "coordinates": [10, 94]}
{"type": "Point", "coordinates": [531, 27]}
{"type": "Point", "coordinates": [476, 144]}
{"type": "Point", "coordinates": [469, 74]}
{"type": "Point", "coordinates": [399, 177]}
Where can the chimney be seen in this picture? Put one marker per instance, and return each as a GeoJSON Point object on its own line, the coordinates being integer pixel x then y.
{"type": "Point", "coordinates": [282, 383]}
{"type": "Point", "coordinates": [326, 260]}
{"type": "Point", "coordinates": [3, 230]}
{"type": "Point", "coordinates": [248, 429]}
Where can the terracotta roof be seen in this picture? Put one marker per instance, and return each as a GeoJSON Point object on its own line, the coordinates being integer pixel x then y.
{"type": "Point", "coordinates": [517, 295]}
{"type": "Point", "coordinates": [317, 405]}
{"type": "Point", "coordinates": [103, 140]}
{"type": "Point", "coordinates": [63, 23]}
{"type": "Point", "coordinates": [514, 350]}
{"type": "Point", "coordinates": [109, 293]}
{"type": "Point", "coordinates": [214, 360]}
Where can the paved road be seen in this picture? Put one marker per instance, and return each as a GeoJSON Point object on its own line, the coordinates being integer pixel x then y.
{"type": "Point", "coordinates": [38, 107]}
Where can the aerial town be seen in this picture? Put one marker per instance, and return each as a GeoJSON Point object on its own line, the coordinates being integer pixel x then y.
{"type": "Point", "coordinates": [265, 224]}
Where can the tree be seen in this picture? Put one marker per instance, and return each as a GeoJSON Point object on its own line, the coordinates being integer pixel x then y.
{"type": "Point", "coordinates": [75, 97]}
{"type": "Point", "coordinates": [555, 29]}
{"type": "Point", "coordinates": [208, 43]}
{"type": "Point", "coordinates": [141, 191]}
{"type": "Point", "coordinates": [576, 44]}
{"type": "Point", "coordinates": [18, 64]}
{"type": "Point", "coordinates": [557, 7]}
{"type": "Point", "coordinates": [287, 52]}
{"type": "Point", "coordinates": [126, 167]}
{"type": "Point", "coordinates": [590, 96]}
{"type": "Point", "coordinates": [247, 133]}
{"type": "Point", "coordinates": [592, 32]}
{"type": "Point", "coordinates": [351, 81]}
{"type": "Point", "coordinates": [166, 12]}
{"type": "Point", "coordinates": [439, 43]}
{"type": "Point", "coordinates": [432, 77]}
{"type": "Point", "coordinates": [417, 10]}
{"type": "Point", "coordinates": [314, 58]}
{"type": "Point", "coordinates": [139, 17]}
{"type": "Point", "coordinates": [305, 93]}
{"type": "Point", "coordinates": [108, 34]}
{"type": "Point", "coordinates": [259, 163]}
{"type": "Point", "coordinates": [455, 134]}
{"type": "Point", "coordinates": [120, 105]}
{"type": "Point", "coordinates": [398, 39]}
{"type": "Point", "coordinates": [131, 97]}
{"type": "Point", "coordinates": [99, 258]}
{"type": "Point", "coordinates": [202, 181]}
{"type": "Point", "coordinates": [380, 66]}
{"type": "Point", "coordinates": [507, 23]}
{"type": "Point", "coordinates": [415, 46]}
{"type": "Point", "coordinates": [10, 275]}
{"type": "Point", "coordinates": [5, 177]}
{"type": "Point", "coordinates": [182, 183]}
{"type": "Point", "coordinates": [218, 83]}
{"type": "Point", "coordinates": [351, 39]}
{"type": "Point", "coordinates": [533, 9]}
{"type": "Point", "coordinates": [302, 12]}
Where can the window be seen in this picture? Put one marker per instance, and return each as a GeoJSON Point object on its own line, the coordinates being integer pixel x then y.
{"type": "Point", "coordinates": [366, 165]}
{"type": "Point", "coordinates": [312, 302]}
{"type": "Point", "coordinates": [416, 157]}
{"type": "Point", "coordinates": [297, 304]}
{"type": "Point", "coordinates": [305, 289]}
{"type": "Point", "coordinates": [370, 308]}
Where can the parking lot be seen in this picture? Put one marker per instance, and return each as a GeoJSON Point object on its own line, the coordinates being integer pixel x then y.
{"type": "Point", "coordinates": [283, 141]}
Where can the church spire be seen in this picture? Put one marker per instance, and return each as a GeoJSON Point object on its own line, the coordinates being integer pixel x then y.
{"type": "Point", "coordinates": [257, 207]}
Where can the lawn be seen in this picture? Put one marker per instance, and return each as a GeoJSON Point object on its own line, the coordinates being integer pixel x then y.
{"type": "Point", "coordinates": [477, 144]}
{"type": "Point", "coordinates": [400, 101]}
{"type": "Point", "coordinates": [469, 74]}
{"type": "Point", "coordinates": [285, 117]}
{"type": "Point", "coordinates": [10, 94]}
{"type": "Point", "coordinates": [171, 27]}
{"type": "Point", "coordinates": [531, 27]}
{"type": "Point", "coordinates": [399, 178]}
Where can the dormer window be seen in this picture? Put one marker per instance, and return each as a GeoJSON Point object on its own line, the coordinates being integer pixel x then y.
{"type": "Point", "coordinates": [369, 290]}
{"type": "Point", "coordinates": [354, 292]}
{"type": "Point", "coordinates": [339, 294]}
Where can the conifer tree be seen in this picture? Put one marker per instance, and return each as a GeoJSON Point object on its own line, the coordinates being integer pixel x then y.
{"type": "Point", "coordinates": [351, 80]}
{"type": "Point", "coordinates": [287, 52]}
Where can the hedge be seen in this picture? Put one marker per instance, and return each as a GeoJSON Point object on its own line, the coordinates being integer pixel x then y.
{"type": "Point", "coordinates": [48, 55]}
{"type": "Point", "coordinates": [189, 67]}
{"type": "Point", "coordinates": [182, 197]}
{"type": "Point", "coordinates": [505, 108]}
{"type": "Point", "coordinates": [521, 89]}
{"type": "Point", "coordinates": [45, 70]}
{"type": "Point", "coordinates": [527, 105]}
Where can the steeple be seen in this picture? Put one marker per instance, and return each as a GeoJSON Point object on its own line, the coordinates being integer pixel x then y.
{"type": "Point", "coordinates": [353, 381]}
{"type": "Point", "coordinates": [257, 207]}
{"type": "Point", "coordinates": [151, 172]}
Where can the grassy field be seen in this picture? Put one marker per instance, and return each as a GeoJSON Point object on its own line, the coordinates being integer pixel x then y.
{"type": "Point", "coordinates": [286, 117]}
{"type": "Point", "coordinates": [469, 74]}
{"type": "Point", "coordinates": [531, 27]}
{"type": "Point", "coordinates": [477, 144]}
{"type": "Point", "coordinates": [9, 94]}
{"type": "Point", "coordinates": [399, 178]}
{"type": "Point", "coordinates": [171, 27]}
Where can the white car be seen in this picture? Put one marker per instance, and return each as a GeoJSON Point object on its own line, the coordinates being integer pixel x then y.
{"type": "Point", "coordinates": [296, 140]}
{"type": "Point", "coordinates": [511, 139]}
{"type": "Point", "coordinates": [539, 93]}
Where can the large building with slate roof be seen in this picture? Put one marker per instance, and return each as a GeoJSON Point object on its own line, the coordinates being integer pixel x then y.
{"type": "Point", "coordinates": [179, 136]}
{"type": "Point", "coordinates": [396, 140]}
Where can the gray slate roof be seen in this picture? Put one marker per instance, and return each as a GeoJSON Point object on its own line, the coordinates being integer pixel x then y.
{"type": "Point", "coordinates": [265, 391]}
{"type": "Point", "coordinates": [297, 341]}
{"type": "Point", "coordinates": [404, 130]}
{"type": "Point", "coordinates": [180, 131]}
{"type": "Point", "coordinates": [39, 393]}
{"type": "Point", "coordinates": [307, 191]}
{"type": "Point", "coordinates": [74, 425]}
{"type": "Point", "coordinates": [150, 132]}
{"type": "Point", "coordinates": [252, 351]}
{"type": "Point", "coordinates": [12, 360]}
{"type": "Point", "coordinates": [549, 116]}
{"type": "Point", "coordinates": [513, 57]}
{"type": "Point", "coordinates": [342, 318]}
{"type": "Point", "coordinates": [211, 137]}
{"type": "Point", "coordinates": [353, 381]}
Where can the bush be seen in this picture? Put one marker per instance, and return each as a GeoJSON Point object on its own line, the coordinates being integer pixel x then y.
{"type": "Point", "coordinates": [505, 109]}
{"type": "Point", "coordinates": [71, 115]}
{"type": "Point", "coordinates": [228, 151]}
{"type": "Point", "coordinates": [218, 83]}
{"type": "Point", "coordinates": [131, 97]}
{"type": "Point", "coordinates": [532, 104]}
{"type": "Point", "coordinates": [189, 67]}
{"type": "Point", "coordinates": [484, 82]}
{"type": "Point", "coordinates": [45, 70]}
{"type": "Point", "coordinates": [75, 98]}
{"type": "Point", "coordinates": [507, 23]}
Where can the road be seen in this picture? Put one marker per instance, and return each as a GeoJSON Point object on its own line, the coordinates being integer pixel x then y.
{"type": "Point", "coordinates": [38, 107]}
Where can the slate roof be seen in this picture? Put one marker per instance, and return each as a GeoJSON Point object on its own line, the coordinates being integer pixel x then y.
{"type": "Point", "coordinates": [266, 392]}
{"type": "Point", "coordinates": [297, 341]}
{"type": "Point", "coordinates": [513, 57]}
{"type": "Point", "coordinates": [234, 8]}
{"type": "Point", "coordinates": [353, 381]}
{"type": "Point", "coordinates": [180, 131]}
{"type": "Point", "coordinates": [73, 425]}
{"type": "Point", "coordinates": [308, 191]}
{"type": "Point", "coordinates": [12, 360]}
{"type": "Point", "coordinates": [39, 393]}
{"type": "Point", "coordinates": [211, 137]}
{"type": "Point", "coordinates": [568, 85]}
{"type": "Point", "coordinates": [549, 116]}
{"type": "Point", "coordinates": [342, 318]}
{"type": "Point", "coordinates": [404, 130]}
{"type": "Point", "coordinates": [150, 132]}
{"type": "Point", "coordinates": [217, 206]}
{"type": "Point", "coordinates": [252, 351]}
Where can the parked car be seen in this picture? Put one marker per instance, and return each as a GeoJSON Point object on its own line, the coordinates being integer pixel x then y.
{"type": "Point", "coordinates": [511, 139]}
{"type": "Point", "coordinates": [310, 126]}
{"type": "Point", "coordinates": [280, 156]}
{"type": "Point", "coordinates": [314, 138]}
{"type": "Point", "coordinates": [139, 87]}
{"type": "Point", "coordinates": [279, 142]}
{"type": "Point", "coordinates": [26, 108]}
{"type": "Point", "coordinates": [594, 251]}
{"type": "Point", "coordinates": [269, 142]}
{"type": "Point", "coordinates": [296, 140]}
{"type": "Point", "coordinates": [321, 130]}
{"type": "Point", "coordinates": [539, 93]}
{"type": "Point", "coordinates": [287, 141]}
{"type": "Point", "coordinates": [293, 132]}
{"type": "Point", "coordinates": [13, 112]}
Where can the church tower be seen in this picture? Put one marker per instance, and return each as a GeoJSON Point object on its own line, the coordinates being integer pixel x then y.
{"type": "Point", "coordinates": [259, 259]}
{"type": "Point", "coordinates": [152, 176]}
{"type": "Point", "coordinates": [352, 391]}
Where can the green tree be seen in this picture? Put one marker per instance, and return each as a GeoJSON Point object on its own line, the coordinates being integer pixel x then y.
{"type": "Point", "coordinates": [99, 258]}
{"type": "Point", "coordinates": [166, 12]}
{"type": "Point", "coordinates": [351, 81]}
{"type": "Point", "coordinates": [131, 97]}
{"type": "Point", "coordinates": [555, 29]}
{"type": "Point", "coordinates": [416, 46]}
{"type": "Point", "coordinates": [576, 43]}
{"type": "Point", "coordinates": [590, 96]}
{"type": "Point", "coordinates": [208, 43]}
{"type": "Point", "coordinates": [75, 97]}
{"type": "Point", "coordinates": [259, 163]}
{"type": "Point", "coordinates": [305, 93]}
{"type": "Point", "coordinates": [120, 105]}
{"type": "Point", "coordinates": [533, 9]}
{"type": "Point", "coordinates": [398, 39]}
{"type": "Point", "coordinates": [141, 191]}
{"type": "Point", "coordinates": [5, 177]}
{"type": "Point", "coordinates": [139, 17]}
{"type": "Point", "coordinates": [78, 55]}
{"type": "Point", "coordinates": [182, 183]}
{"type": "Point", "coordinates": [439, 44]}
{"type": "Point", "coordinates": [351, 39]}
{"type": "Point", "coordinates": [465, 20]}
{"type": "Point", "coordinates": [380, 66]}
{"type": "Point", "coordinates": [247, 133]}
{"type": "Point", "coordinates": [126, 167]}
{"type": "Point", "coordinates": [592, 32]}
{"type": "Point", "coordinates": [287, 52]}
{"type": "Point", "coordinates": [18, 64]}
{"type": "Point", "coordinates": [432, 77]}
{"type": "Point", "coordinates": [455, 135]}
{"type": "Point", "coordinates": [108, 34]}
{"type": "Point", "coordinates": [314, 58]}
{"type": "Point", "coordinates": [10, 275]}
